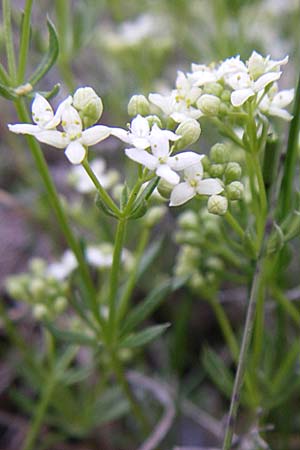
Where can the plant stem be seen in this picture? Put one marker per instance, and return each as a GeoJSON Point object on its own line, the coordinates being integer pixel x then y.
{"type": "Point", "coordinates": [239, 378]}
{"type": "Point", "coordinates": [61, 216]}
{"type": "Point", "coordinates": [114, 276]}
{"type": "Point", "coordinates": [8, 38]}
{"type": "Point", "coordinates": [234, 224]}
{"type": "Point", "coordinates": [104, 195]}
{"type": "Point", "coordinates": [40, 413]}
{"type": "Point", "coordinates": [24, 42]}
{"type": "Point", "coordinates": [124, 301]}
{"type": "Point", "coordinates": [4, 76]}
{"type": "Point", "coordinates": [135, 407]}
{"type": "Point", "coordinates": [286, 190]}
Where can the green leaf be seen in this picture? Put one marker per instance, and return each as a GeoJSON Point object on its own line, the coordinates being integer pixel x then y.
{"type": "Point", "coordinates": [149, 256]}
{"type": "Point", "coordinates": [145, 195]}
{"type": "Point", "coordinates": [103, 207]}
{"type": "Point", "coordinates": [143, 337]}
{"type": "Point", "coordinates": [109, 406]}
{"type": "Point", "coordinates": [47, 94]}
{"type": "Point", "coordinates": [72, 336]}
{"type": "Point", "coordinates": [217, 371]}
{"type": "Point", "coordinates": [50, 57]}
{"type": "Point", "coordinates": [144, 309]}
{"type": "Point", "coordinates": [7, 92]}
{"type": "Point", "coordinates": [124, 197]}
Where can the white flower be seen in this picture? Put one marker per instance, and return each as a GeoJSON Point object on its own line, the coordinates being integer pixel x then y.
{"type": "Point", "coordinates": [63, 268]}
{"type": "Point", "coordinates": [202, 75]}
{"type": "Point", "coordinates": [82, 182]}
{"type": "Point", "coordinates": [230, 67]}
{"type": "Point", "coordinates": [160, 160]}
{"type": "Point", "coordinates": [73, 139]}
{"type": "Point", "coordinates": [174, 106]}
{"type": "Point", "coordinates": [101, 256]}
{"type": "Point", "coordinates": [193, 185]}
{"type": "Point", "coordinates": [140, 134]}
{"type": "Point", "coordinates": [258, 65]}
{"type": "Point", "coordinates": [274, 103]}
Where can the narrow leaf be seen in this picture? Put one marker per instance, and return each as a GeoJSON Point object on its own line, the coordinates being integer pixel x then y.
{"type": "Point", "coordinates": [144, 337]}
{"type": "Point", "coordinates": [50, 57]}
{"type": "Point", "coordinates": [7, 92]}
{"type": "Point", "coordinates": [71, 336]}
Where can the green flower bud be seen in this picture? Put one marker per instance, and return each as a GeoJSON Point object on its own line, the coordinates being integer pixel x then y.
{"type": "Point", "coordinates": [219, 153]}
{"type": "Point", "coordinates": [37, 266]}
{"type": "Point", "coordinates": [37, 287]}
{"type": "Point", "coordinates": [217, 204]}
{"type": "Point", "coordinates": [213, 89]}
{"type": "Point", "coordinates": [154, 215]}
{"type": "Point", "coordinates": [205, 163]}
{"type": "Point", "coordinates": [89, 105]}
{"type": "Point", "coordinates": [138, 104]}
{"type": "Point", "coordinates": [186, 237]}
{"type": "Point", "coordinates": [40, 311]}
{"type": "Point", "coordinates": [209, 104]}
{"type": "Point", "coordinates": [189, 130]}
{"type": "Point", "coordinates": [15, 287]}
{"type": "Point", "coordinates": [235, 190]}
{"type": "Point", "coordinates": [165, 188]}
{"type": "Point", "coordinates": [188, 220]}
{"type": "Point", "coordinates": [232, 172]}
{"type": "Point", "coordinates": [223, 111]}
{"type": "Point", "coordinates": [226, 96]}
{"type": "Point", "coordinates": [197, 281]}
{"type": "Point", "coordinates": [60, 304]}
{"type": "Point", "coordinates": [214, 263]}
{"type": "Point", "coordinates": [216, 170]}
{"type": "Point", "coordinates": [154, 120]}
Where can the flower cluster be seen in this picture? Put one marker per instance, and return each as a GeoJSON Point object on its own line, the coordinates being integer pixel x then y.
{"type": "Point", "coordinates": [219, 89]}
{"type": "Point", "coordinates": [71, 114]}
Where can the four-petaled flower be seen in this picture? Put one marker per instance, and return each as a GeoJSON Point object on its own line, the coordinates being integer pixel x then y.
{"type": "Point", "coordinates": [193, 185]}
{"type": "Point", "coordinates": [73, 139]}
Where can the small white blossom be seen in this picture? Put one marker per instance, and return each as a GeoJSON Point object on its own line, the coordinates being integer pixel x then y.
{"type": "Point", "coordinates": [140, 134]}
{"type": "Point", "coordinates": [101, 256]}
{"type": "Point", "coordinates": [202, 75]}
{"type": "Point", "coordinates": [175, 106]}
{"type": "Point", "coordinates": [193, 185]}
{"type": "Point", "coordinates": [160, 161]}
{"type": "Point", "coordinates": [274, 103]}
{"type": "Point", "coordinates": [63, 268]}
{"type": "Point", "coordinates": [73, 139]}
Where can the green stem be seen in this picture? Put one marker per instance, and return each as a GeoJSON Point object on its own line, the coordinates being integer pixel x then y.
{"type": "Point", "coordinates": [286, 190]}
{"type": "Point", "coordinates": [24, 41]}
{"type": "Point", "coordinates": [135, 407]}
{"type": "Point", "coordinates": [287, 305]}
{"type": "Point", "coordinates": [104, 195]}
{"type": "Point", "coordinates": [61, 216]}
{"type": "Point", "coordinates": [124, 301]}
{"type": "Point", "coordinates": [234, 224]}
{"type": "Point", "coordinates": [4, 76]}
{"type": "Point", "coordinates": [261, 184]}
{"type": "Point", "coordinates": [40, 413]}
{"type": "Point", "coordinates": [8, 38]}
{"type": "Point", "coordinates": [239, 378]}
{"type": "Point", "coordinates": [114, 276]}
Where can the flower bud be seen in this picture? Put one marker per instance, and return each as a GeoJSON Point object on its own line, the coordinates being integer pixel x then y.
{"type": "Point", "coordinates": [215, 263]}
{"type": "Point", "coordinates": [89, 105]}
{"type": "Point", "coordinates": [216, 170]}
{"type": "Point", "coordinates": [226, 96]}
{"type": "Point", "coordinates": [219, 153]}
{"type": "Point", "coordinates": [15, 287]}
{"type": "Point", "coordinates": [138, 104]}
{"type": "Point", "coordinates": [40, 311]}
{"type": "Point", "coordinates": [217, 204]}
{"type": "Point", "coordinates": [188, 220]}
{"type": "Point", "coordinates": [165, 188]}
{"type": "Point", "coordinates": [209, 104]}
{"type": "Point", "coordinates": [60, 304]}
{"type": "Point", "coordinates": [37, 266]}
{"type": "Point", "coordinates": [213, 89]}
{"type": "Point", "coordinates": [154, 120]}
{"type": "Point", "coordinates": [232, 172]}
{"type": "Point", "coordinates": [189, 130]}
{"type": "Point", "coordinates": [205, 163]}
{"type": "Point", "coordinates": [235, 190]}
{"type": "Point", "coordinates": [197, 281]}
{"type": "Point", "coordinates": [154, 215]}
{"type": "Point", "coordinates": [37, 287]}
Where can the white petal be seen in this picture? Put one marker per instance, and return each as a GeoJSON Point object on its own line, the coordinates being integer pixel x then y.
{"type": "Point", "coordinates": [165, 172]}
{"type": "Point", "coordinates": [278, 112]}
{"type": "Point", "coordinates": [71, 121]}
{"type": "Point", "coordinates": [181, 193]}
{"type": "Point", "coordinates": [95, 134]}
{"type": "Point", "coordinates": [24, 128]}
{"type": "Point", "coordinates": [283, 98]}
{"type": "Point", "coordinates": [139, 142]}
{"type": "Point", "coordinates": [239, 97]}
{"type": "Point", "coordinates": [140, 126]}
{"type": "Point", "coordinates": [142, 157]}
{"type": "Point", "coordinates": [183, 160]}
{"type": "Point", "coordinates": [209, 186]}
{"type": "Point", "coordinates": [170, 135]}
{"type": "Point", "coordinates": [75, 152]}
{"type": "Point", "coordinates": [164, 102]}
{"type": "Point", "coordinates": [42, 111]}
{"type": "Point", "coordinates": [266, 79]}
{"type": "Point", "coordinates": [58, 115]}
{"type": "Point", "coordinates": [194, 172]}
{"type": "Point", "coordinates": [159, 142]}
{"type": "Point", "coordinates": [53, 137]}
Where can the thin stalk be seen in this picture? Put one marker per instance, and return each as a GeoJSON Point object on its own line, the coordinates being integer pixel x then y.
{"type": "Point", "coordinates": [287, 305]}
{"type": "Point", "coordinates": [8, 38]}
{"type": "Point", "coordinates": [234, 224]}
{"type": "Point", "coordinates": [55, 202]}
{"type": "Point", "coordinates": [104, 195]}
{"type": "Point", "coordinates": [135, 407]}
{"type": "Point", "coordinates": [4, 76]}
{"type": "Point", "coordinates": [114, 276]}
{"type": "Point", "coordinates": [124, 301]}
{"type": "Point", "coordinates": [286, 190]}
{"type": "Point", "coordinates": [261, 184]}
{"type": "Point", "coordinates": [243, 357]}
{"type": "Point", "coordinates": [259, 325]}
{"type": "Point", "coordinates": [24, 42]}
